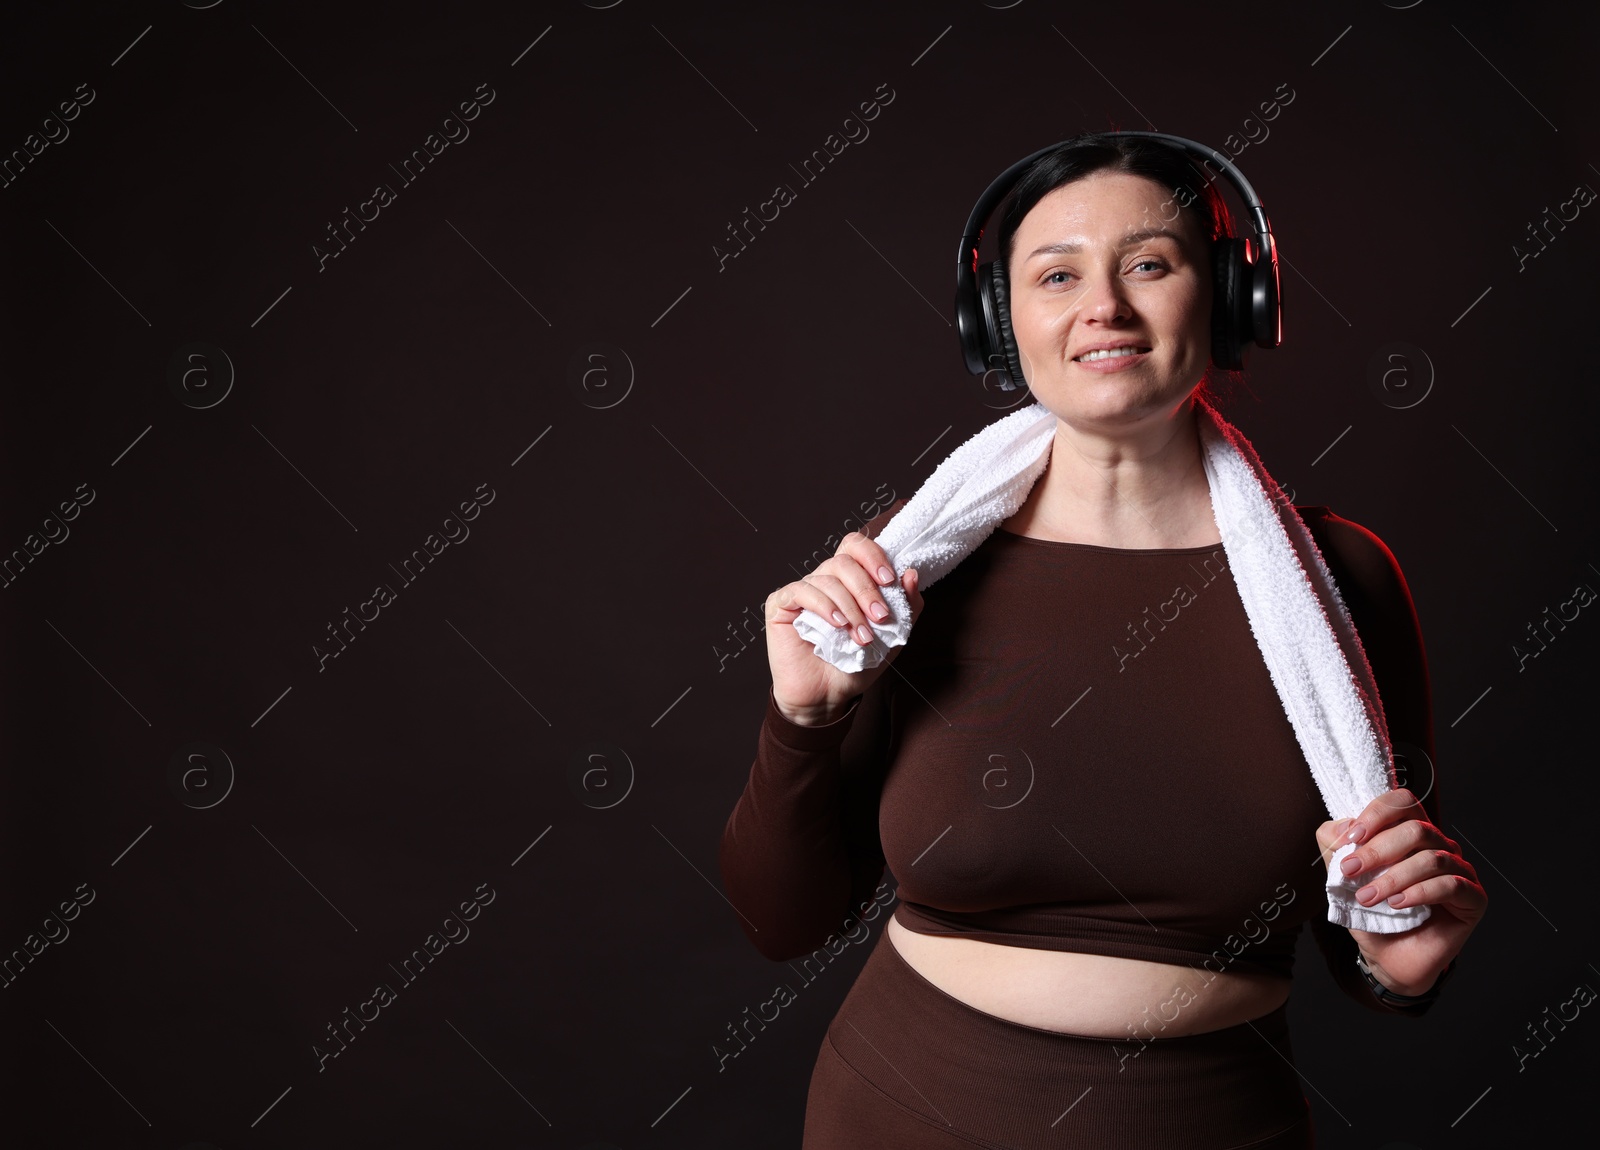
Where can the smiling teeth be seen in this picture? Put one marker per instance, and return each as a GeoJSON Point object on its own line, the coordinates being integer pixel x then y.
{"type": "Point", "coordinates": [1090, 356]}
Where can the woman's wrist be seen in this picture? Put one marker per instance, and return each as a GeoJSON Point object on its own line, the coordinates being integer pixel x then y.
{"type": "Point", "coordinates": [1389, 988]}
{"type": "Point", "coordinates": [1393, 984]}
{"type": "Point", "coordinates": [820, 715]}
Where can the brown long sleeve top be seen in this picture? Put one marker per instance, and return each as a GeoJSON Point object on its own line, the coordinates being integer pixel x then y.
{"type": "Point", "coordinates": [1080, 748]}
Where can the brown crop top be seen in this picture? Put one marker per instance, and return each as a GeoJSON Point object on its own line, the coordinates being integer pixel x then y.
{"type": "Point", "coordinates": [1080, 748]}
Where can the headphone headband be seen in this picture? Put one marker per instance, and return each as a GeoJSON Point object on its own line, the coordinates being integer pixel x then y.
{"type": "Point", "coordinates": [1249, 307]}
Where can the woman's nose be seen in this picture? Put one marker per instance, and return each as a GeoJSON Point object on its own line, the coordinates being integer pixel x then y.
{"type": "Point", "coordinates": [1105, 299]}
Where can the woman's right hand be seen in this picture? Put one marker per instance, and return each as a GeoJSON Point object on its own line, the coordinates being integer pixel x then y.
{"type": "Point", "coordinates": [808, 689]}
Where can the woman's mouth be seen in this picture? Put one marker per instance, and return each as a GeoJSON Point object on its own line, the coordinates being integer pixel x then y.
{"type": "Point", "coordinates": [1111, 359]}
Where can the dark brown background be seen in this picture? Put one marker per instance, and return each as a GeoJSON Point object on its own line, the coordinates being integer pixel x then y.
{"type": "Point", "coordinates": [606, 607]}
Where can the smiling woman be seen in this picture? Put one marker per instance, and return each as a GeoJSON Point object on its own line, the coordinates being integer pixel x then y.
{"type": "Point", "coordinates": [1086, 242]}
{"type": "Point", "coordinates": [1075, 300]}
{"type": "Point", "coordinates": [1112, 323]}
{"type": "Point", "coordinates": [1051, 974]}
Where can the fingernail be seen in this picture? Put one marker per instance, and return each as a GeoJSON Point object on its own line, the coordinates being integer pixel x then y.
{"type": "Point", "coordinates": [885, 575]}
{"type": "Point", "coordinates": [1355, 832]}
{"type": "Point", "coordinates": [1350, 865]}
{"type": "Point", "coordinates": [1365, 893]}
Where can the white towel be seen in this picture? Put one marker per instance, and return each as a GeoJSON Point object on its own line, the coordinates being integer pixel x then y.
{"type": "Point", "coordinates": [1296, 613]}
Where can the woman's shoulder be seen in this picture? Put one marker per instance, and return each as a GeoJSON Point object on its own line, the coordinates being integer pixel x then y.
{"type": "Point", "coordinates": [1380, 604]}
{"type": "Point", "coordinates": [1358, 545]}
{"type": "Point", "coordinates": [1357, 556]}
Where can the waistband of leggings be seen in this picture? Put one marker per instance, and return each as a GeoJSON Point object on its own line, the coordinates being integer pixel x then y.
{"type": "Point", "coordinates": [970, 1071]}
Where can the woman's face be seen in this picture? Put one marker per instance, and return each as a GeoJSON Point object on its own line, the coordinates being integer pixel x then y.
{"type": "Point", "coordinates": [1110, 262]}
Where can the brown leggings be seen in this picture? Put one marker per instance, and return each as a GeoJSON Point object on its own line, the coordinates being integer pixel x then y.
{"type": "Point", "coordinates": [905, 1066]}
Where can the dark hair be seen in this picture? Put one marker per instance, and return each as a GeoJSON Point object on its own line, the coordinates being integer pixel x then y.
{"type": "Point", "coordinates": [1192, 192]}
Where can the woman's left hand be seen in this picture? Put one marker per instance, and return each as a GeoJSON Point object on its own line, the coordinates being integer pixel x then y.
{"type": "Point", "coordinates": [1425, 866]}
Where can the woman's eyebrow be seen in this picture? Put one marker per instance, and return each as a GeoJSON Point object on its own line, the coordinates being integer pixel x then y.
{"type": "Point", "coordinates": [1139, 236]}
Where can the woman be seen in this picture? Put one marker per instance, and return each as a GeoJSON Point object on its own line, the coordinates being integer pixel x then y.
{"type": "Point", "coordinates": [1046, 759]}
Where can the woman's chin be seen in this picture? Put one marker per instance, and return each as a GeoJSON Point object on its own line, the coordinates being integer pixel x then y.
{"type": "Point", "coordinates": [1118, 399]}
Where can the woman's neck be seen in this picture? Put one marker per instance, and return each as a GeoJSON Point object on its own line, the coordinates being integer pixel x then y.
{"type": "Point", "coordinates": [1135, 492]}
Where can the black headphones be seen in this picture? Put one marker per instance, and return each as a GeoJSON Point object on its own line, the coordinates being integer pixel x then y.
{"type": "Point", "coordinates": [1246, 304]}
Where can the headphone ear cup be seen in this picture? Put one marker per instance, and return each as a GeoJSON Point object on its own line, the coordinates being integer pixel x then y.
{"type": "Point", "coordinates": [1230, 321]}
{"type": "Point", "coordinates": [997, 303]}
{"type": "Point", "coordinates": [1266, 302]}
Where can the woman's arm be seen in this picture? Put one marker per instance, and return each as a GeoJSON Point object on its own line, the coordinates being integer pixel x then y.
{"type": "Point", "coordinates": [800, 853]}
{"type": "Point", "coordinates": [1375, 592]}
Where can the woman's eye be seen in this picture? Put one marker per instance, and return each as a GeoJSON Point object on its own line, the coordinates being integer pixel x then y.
{"type": "Point", "coordinates": [1157, 264]}
{"type": "Point", "coordinates": [1051, 278]}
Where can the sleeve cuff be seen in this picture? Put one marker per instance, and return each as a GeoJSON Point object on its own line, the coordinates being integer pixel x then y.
{"type": "Point", "coordinates": [804, 738]}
